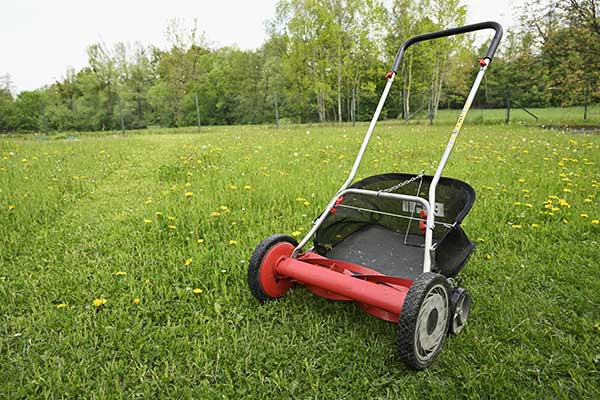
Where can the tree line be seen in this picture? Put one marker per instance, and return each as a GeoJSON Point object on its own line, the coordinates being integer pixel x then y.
{"type": "Point", "coordinates": [323, 60]}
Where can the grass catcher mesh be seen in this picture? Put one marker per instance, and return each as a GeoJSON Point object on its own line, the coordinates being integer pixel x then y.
{"type": "Point", "coordinates": [386, 234]}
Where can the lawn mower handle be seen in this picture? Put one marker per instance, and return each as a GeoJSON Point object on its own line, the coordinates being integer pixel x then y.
{"type": "Point", "coordinates": [451, 32]}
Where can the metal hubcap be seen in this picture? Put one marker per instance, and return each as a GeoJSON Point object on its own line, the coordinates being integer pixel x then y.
{"type": "Point", "coordinates": [432, 322]}
{"type": "Point", "coordinates": [461, 313]}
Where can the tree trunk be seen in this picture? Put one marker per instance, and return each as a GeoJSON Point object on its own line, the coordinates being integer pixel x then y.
{"type": "Point", "coordinates": [339, 110]}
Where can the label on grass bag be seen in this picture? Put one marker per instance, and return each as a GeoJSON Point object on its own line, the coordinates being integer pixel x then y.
{"type": "Point", "coordinates": [414, 207]}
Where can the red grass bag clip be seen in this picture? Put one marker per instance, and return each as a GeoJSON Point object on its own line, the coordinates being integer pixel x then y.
{"type": "Point", "coordinates": [422, 224]}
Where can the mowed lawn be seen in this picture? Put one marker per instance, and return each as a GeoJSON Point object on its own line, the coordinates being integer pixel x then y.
{"type": "Point", "coordinates": [170, 218]}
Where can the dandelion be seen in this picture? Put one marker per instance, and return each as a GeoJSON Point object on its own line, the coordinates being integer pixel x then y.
{"type": "Point", "coordinates": [588, 200]}
{"type": "Point", "coordinates": [296, 233]}
{"type": "Point", "coordinates": [584, 215]}
{"type": "Point", "coordinates": [564, 203]}
{"type": "Point", "coordinates": [171, 218]}
{"type": "Point", "coordinates": [215, 214]}
{"type": "Point", "coordinates": [517, 203]}
{"type": "Point", "coordinates": [595, 222]}
{"type": "Point", "coordinates": [11, 206]}
{"type": "Point", "coordinates": [136, 301]}
{"type": "Point", "coordinates": [158, 214]}
{"type": "Point", "coordinates": [120, 273]}
{"type": "Point", "coordinates": [567, 190]}
{"type": "Point", "coordinates": [487, 257]}
{"type": "Point", "coordinates": [564, 221]}
{"type": "Point", "coordinates": [147, 221]}
{"type": "Point", "coordinates": [528, 205]}
{"type": "Point", "coordinates": [99, 303]}
{"type": "Point", "coordinates": [61, 305]}
{"type": "Point", "coordinates": [146, 281]}
{"type": "Point", "coordinates": [521, 180]}
{"type": "Point", "coordinates": [233, 187]}
{"type": "Point", "coordinates": [232, 242]}
{"type": "Point", "coordinates": [534, 226]}
{"type": "Point", "coordinates": [189, 194]}
{"type": "Point", "coordinates": [200, 241]}
{"type": "Point", "coordinates": [306, 203]}
{"type": "Point", "coordinates": [224, 208]}
{"type": "Point", "coordinates": [247, 187]}
{"type": "Point", "coordinates": [197, 291]}
{"type": "Point", "coordinates": [172, 227]}
{"type": "Point", "coordinates": [516, 226]}
{"type": "Point", "coordinates": [480, 240]}
{"type": "Point", "coordinates": [187, 261]}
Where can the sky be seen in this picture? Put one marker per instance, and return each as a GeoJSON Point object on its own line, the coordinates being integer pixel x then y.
{"type": "Point", "coordinates": [40, 39]}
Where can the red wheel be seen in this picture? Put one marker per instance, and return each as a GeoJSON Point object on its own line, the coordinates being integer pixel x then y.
{"type": "Point", "coordinates": [262, 279]}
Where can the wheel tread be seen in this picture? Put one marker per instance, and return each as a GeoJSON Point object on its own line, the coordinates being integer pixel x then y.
{"type": "Point", "coordinates": [256, 260]}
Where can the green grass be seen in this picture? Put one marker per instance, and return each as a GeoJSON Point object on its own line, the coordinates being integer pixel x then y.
{"type": "Point", "coordinates": [72, 215]}
{"type": "Point", "coordinates": [550, 116]}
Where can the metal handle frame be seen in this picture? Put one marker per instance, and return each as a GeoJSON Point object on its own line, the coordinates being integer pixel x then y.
{"type": "Point", "coordinates": [427, 204]}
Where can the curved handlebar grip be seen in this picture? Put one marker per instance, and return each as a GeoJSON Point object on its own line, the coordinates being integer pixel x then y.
{"type": "Point", "coordinates": [451, 32]}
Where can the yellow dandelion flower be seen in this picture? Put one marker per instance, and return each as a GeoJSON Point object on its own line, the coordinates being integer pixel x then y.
{"type": "Point", "coordinates": [521, 180]}
{"type": "Point", "coordinates": [306, 203]}
{"type": "Point", "coordinates": [149, 201]}
{"type": "Point", "coordinates": [136, 301]}
{"type": "Point", "coordinates": [517, 203]}
{"type": "Point", "coordinates": [584, 215]}
{"type": "Point", "coordinates": [487, 257]}
{"type": "Point", "coordinates": [224, 208]}
{"type": "Point", "coordinates": [120, 273]}
{"type": "Point", "coordinates": [146, 281]}
{"type": "Point", "coordinates": [528, 205]}
{"type": "Point", "coordinates": [11, 206]}
{"type": "Point", "coordinates": [233, 242]}
{"type": "Point", "coordinates": [233, 187]}
{"type": "Point", "coordinates": [187, 261]}
{"type": "Point", "coordinates": [480, 240]}
{"type": "Point", "coordinates": [61, 305]}
{"type": "Point", "coordinates": [516, 226]}
{"type": "Point", "coordinates": [188, 184]}
{"type": "Point", "coordinates": [172, 227]}
{"type": "Point", "coordinates": [200, 241]}
{"type": "Point", "coordinates": [554, 209]}
{"type": "Point", "coordinates": [99, 303]}
{"type": "Point", "coordinates": [296, 233]}
{"type": "Point", "coordinates": [171, 218]}
{"type": "Point", "coordinates": [147, 221]}
{"type": "Point", "coordinates": [566, 190]}
{"type": "Point", "coordinates": [595, 222]}
{"type": "Point", "coordinates": [197, 291]}
{"type": "Point", "coordinates": [535, 226]}
{"type": "Point", "coordinates": [189, 194]}
{"type": "Point", "coordinates": [587, 200]}
{"type": "Point", "coordinates": [215, 214]}
{"type": "Point", "coordinates": [158, 214]}
{"type": "Point", "coordinates": [247, 187]}
{"type": "Point", "coordinates": [564, 221]}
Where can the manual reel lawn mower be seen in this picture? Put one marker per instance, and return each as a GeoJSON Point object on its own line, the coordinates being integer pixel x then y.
{"type": "Point", "coordinates": [382, 245]}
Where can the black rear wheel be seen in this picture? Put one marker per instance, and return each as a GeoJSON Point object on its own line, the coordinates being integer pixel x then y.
{"type": "Point", "coordinates": [460, 306]}
{"type": "Point", "coordinates": [424, 320]}
{"type": "Point", "coordinates": [262, 279]}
